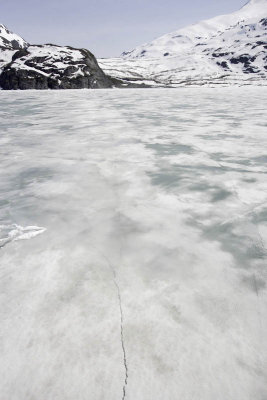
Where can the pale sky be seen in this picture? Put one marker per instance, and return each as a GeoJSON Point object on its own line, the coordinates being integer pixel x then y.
{"type": "Point", "coordinates": [106, 27]}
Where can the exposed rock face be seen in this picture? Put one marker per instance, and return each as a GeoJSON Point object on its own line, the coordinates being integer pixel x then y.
{"type": "Point", "coordinates": [53, 67]}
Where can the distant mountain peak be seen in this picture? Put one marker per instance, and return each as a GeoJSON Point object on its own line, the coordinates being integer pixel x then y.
{"type": "Point", "coordinates": [256, 1]}
{"type": "Point", "coordinates": [10, 40]}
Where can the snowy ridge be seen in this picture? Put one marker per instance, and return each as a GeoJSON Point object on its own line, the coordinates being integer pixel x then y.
{"type": "Point", "coordinates": [227, 49]}
{"type": "Point", "coordinates": [9, 40]}
{"type": "Point", "coordinates": [9, 44]}
{"type": "Point", "coordinates": [193, 35]}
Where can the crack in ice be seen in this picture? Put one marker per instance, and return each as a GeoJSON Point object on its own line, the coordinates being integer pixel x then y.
{"type": "Point", "coordinates": [121, 326]}
{"type": "Point", "coordinates": [115, 281]}
{"type": "Point", "coordinates": [122, 340]}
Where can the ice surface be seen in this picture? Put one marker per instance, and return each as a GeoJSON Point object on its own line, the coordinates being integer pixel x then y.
{"type": "Point", "coordinates": [150, 279]}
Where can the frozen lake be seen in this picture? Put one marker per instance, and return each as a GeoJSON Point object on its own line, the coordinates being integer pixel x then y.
{"type": "Point", "coordinates": [133, 235]}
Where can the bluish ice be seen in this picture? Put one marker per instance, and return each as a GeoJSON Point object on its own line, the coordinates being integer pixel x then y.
{"type": "Point", "coordinates": [133, 235]}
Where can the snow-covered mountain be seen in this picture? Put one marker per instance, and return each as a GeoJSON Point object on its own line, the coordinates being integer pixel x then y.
{"type": "Point", "coordinates": [53, 67]}
{"type": "Point", "coordinates": [216, 30]}
{"type": "Point", "coordinates": [226, 49]}
{"type": "Point", "coordinates": [25, 66]}
{"type": "Point", "coordinates": [229, 49]}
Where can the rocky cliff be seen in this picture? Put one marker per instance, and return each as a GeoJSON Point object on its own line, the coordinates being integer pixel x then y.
{"type": "Point", "coordinates": [24, 66]}
{"type": "Point", "coordinates": [53, 67]}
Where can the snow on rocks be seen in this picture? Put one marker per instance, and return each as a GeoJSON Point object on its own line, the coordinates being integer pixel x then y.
{"type": "Point", "coordinates": [53, 67]}
{"type": "Point", "coordinates": [9, 44]}
{"type": "Point", "coordinates": [25, 66]}
{"type": "Point", "coordinates": [9, 40]}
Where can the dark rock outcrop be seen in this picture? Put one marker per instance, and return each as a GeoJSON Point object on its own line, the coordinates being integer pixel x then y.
{"type": "Point", "coordinates": [24, 66]}
{"type": "Point", "coordinates": [53, 67]}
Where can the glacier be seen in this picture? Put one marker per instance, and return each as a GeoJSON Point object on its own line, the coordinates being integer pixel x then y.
{"type": "Point", "coordinates": [144, 273]}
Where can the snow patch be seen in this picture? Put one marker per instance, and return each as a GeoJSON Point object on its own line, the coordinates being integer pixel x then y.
{"type": "Point", "coordinates": [14, 232]}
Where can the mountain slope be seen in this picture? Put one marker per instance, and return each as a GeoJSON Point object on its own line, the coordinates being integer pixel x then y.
{"type": "Point", "coordinates": [9, 44]}
{"type": "Point", "coordinates": [193, 35]}
{"type": "Point", "coordinates": [25, 66]}
{"type": "Point", "coordinates": [53, 67]}
{"type": "Point", "coordinates": [9, 40]}
{"type": "Point", "coordinates": [225, 49]}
